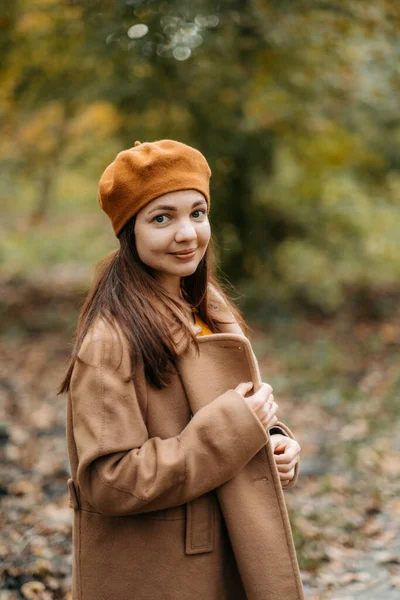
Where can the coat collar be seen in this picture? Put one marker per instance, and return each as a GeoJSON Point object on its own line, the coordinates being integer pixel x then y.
{"type": "Point", "coordinates": [242, 358]}
{"type": "Point", "coordinates": [229, 328]}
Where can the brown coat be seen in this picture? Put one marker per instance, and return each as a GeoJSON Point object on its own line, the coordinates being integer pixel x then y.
{"type": "Point", "coordinates": [175, 493]}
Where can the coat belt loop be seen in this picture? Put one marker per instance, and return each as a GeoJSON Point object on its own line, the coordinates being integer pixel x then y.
{"type": "Point", "coordinates": [73, 495]}
{"type": "Point", "coordinates": [200, 524]}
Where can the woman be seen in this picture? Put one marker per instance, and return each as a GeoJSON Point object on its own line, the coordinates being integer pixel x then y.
{"type": "Point", "coordinates": [177, 457]}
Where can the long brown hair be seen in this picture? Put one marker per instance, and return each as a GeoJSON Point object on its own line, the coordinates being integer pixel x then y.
{"type": "Point", "coordinates": [126, 290]}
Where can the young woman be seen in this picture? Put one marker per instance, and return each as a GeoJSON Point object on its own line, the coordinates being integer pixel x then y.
{"type": "Point", "coordinates": [177, 458]}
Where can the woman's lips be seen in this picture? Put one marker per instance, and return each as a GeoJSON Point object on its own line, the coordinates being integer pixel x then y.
{"type": "Point", "coordinates": [185, 256]}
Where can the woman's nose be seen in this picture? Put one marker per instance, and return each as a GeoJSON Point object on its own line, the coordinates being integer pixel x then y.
{"type": "Point", "coordinates": [186, 231]}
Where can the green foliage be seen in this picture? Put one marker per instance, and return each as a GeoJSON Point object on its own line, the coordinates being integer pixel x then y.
{"type": "Point", "coordinates": [52, 251]}
{"type": "Point", "coordinates": [293, 104]}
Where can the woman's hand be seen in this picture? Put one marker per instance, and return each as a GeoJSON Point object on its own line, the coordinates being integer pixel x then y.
{"type": "Point", "coordinates": [262, 402]}
{"type": "Point", "coordinates": [287, 454]}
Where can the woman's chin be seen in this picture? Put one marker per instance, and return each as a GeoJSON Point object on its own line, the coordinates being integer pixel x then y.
{"type": "Point", "coordinates": [185, 269]}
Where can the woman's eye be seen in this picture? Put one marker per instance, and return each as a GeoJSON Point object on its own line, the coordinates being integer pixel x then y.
{"type": "Point", "coordinates": [199, 210]}
{"type": "Point", "coordinates": [158, 217]}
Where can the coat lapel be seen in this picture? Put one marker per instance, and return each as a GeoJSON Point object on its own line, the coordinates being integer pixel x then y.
{"type": "Point", "coordinates": [252, 503]}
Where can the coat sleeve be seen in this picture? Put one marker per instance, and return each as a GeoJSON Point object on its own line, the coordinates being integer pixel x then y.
{"type": "Point", "coordinates": [284, 430]}
{"type": "Point", "coordinates": [121, 470]}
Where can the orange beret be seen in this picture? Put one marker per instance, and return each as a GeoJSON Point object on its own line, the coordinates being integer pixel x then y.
{"type": "Point", "coordinates": [142, 173]}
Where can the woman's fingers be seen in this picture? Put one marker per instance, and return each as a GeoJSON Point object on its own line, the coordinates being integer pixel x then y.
{"type": "Point", "coordinates": [283, 468]}
{"type": "Point", "coordinates": [292, 451]}
{"type": "Point", "coordinates": [268, 416]}
{"type": "Point", "coordinates": [264, 393]}
{"type": "Point", "coordinates": [266, 389]}
{"type": "Point", "coordinates": [286, 476]}
{"type": "Point", "coordinates": [270, 408]}
{"type": "Point", "coordinates": [262, 403]}
{"type": "Point", "coordinates": [244, 387]}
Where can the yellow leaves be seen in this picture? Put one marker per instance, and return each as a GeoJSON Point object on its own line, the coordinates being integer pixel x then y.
{"type": "Point", "coordinates": [329, 146]}
{"type": "Point", "coordinates": [41, 130]}
{"type": "Point", "coordinates": [43, 4]}
{"type": "Point", "coordinates": [34, 590]}
{"type": "Point", "coordinates": [258, 114]}
{"type": "Point", "coordinates": [38, 136]}
{"type": "Point", "coordinates": [390, 332]}
{"type": "Point", "coordinates": [39, 17]}
{"type": "Point", "coordinates": [100, 119]}
{"type": "Point", "coordinates": [40, 22]}
{"type": "Point", "coordinates": [142, 70]}
{"type": "Point", "coordinates": [267, 109]}
{"type": "Point", "coordinates": [41, 567]}
{"type": "Point", "coordinates": [228, 96]}
{"type": "Point", "coordinates": [158, 112]}
{"type": "Point", "coordinates": [23, 487]}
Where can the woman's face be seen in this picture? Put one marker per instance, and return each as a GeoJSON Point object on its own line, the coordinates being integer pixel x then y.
{"type": "Point", "coordinates": [168, 224]}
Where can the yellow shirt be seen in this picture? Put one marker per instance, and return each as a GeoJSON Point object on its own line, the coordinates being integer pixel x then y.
{"type": "Point", "coordinates": [205, 330]}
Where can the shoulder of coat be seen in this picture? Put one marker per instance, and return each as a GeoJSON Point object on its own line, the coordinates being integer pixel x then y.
{"type": "Point", "coordinates": [102, 330]}
{"type": "Point", "coordinates": [103, 343]}
{"type": "Point", "coordinates": [215, 298]}
{"type": "Point", "coordinates": [218, 304]}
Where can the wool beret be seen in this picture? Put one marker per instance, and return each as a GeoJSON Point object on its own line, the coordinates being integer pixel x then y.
{"type": "Point", "coordinates": [147, 170]}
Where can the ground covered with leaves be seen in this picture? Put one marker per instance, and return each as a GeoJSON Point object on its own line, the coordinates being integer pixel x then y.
{"type": "Point", "coordinates": [337, 385]}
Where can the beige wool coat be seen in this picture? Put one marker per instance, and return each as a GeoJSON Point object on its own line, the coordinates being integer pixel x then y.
{"type": "Point", "coordinates": [175, 492]}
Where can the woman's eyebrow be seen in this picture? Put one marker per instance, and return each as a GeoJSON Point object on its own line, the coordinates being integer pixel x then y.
{"type": "Point", "coordinates": [167, 207]}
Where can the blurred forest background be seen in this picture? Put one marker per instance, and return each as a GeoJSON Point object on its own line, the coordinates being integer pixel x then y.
{"type": "Point", "coordinates": [295, 104]}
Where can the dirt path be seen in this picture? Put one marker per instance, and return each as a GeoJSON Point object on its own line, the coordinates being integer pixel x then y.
{"type": "Point", "coordinates": [347, 534]}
